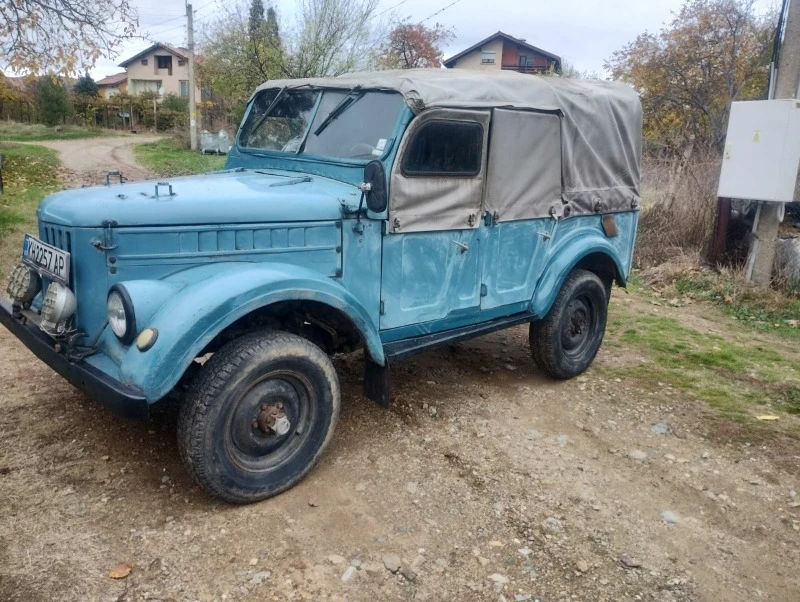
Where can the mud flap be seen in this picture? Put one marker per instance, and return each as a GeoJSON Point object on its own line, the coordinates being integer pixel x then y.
{"type": "Point", "coordinates": [378, 383]}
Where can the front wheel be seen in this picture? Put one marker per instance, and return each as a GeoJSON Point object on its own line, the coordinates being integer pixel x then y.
{"type": "Point", "coordinates": [566, 341]}
{"type": "Point", "coordinates": [258, 416]}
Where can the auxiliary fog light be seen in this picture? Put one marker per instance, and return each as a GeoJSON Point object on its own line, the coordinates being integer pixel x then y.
{"type": "Point", "coordinates": [23, 284]}
{"type": "Point", "coordinates": [58, 305]}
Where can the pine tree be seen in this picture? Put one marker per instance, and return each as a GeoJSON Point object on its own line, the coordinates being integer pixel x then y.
{"type": "Point", "coordinates": [256, 16]}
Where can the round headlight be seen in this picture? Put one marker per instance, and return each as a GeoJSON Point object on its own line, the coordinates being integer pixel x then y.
{"type": "Point", "coordinates": [119, 310]}
{"type": "Point", "coordinates": [23, 284]}
{"type": "Point", "coordinates": [57, 307]}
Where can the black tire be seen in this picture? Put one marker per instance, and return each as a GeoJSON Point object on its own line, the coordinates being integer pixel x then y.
{"type": "Point", "coordinates": [223, 436]}
{"type": "Point", "coordinates": [565, 343]}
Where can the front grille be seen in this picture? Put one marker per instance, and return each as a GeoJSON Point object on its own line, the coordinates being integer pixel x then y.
{"type": "Point", "coordinates": [58, 237]}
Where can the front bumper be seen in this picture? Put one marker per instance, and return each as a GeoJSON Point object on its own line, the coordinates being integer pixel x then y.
{"type": "Point", "coordinates": [118, 397]}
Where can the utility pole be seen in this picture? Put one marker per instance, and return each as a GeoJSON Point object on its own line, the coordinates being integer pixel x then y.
{"type": "Point", "coordinates": [192, 101]}
{"type": "Point", "coordinates": [769, 215]}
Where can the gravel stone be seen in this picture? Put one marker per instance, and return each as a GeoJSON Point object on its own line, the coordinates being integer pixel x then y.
{"type": "Point", "coordinates": [392, 562]}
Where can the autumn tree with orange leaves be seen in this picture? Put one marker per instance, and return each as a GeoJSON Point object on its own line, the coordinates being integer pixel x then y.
{"type": "Point", "coordinates": [712, 53]}
{"type": "Point", "coordinates": [413, 45]}
{"type": "Point", "coordinates": [66, 36]}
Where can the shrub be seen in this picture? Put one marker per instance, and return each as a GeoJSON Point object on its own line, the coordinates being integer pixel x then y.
{"type": "Point", "coordinates": [679, 208]}
{"type": "Point", "coordinates": [52, 100]}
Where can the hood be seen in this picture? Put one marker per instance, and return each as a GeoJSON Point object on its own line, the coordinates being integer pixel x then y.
{"type": "Point", "coordinates": [236, 196]}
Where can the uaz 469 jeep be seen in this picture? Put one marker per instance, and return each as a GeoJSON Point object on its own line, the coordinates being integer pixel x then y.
{"type": "Point", "coordinates": [394, 211]}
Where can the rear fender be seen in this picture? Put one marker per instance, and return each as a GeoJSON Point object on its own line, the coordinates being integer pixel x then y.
{"type": "Point", "coordinates": [566, 255]}
{"type": "Point", "coordinates": [209, 298]}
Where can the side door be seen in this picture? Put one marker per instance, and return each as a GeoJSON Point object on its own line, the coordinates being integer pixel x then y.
{"type": "Point", "coordinates": [521, 202]}
{"type": "Point", "coordinates": [431, 246]}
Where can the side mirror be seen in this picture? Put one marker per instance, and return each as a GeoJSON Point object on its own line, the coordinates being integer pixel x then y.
{"type": "Point", "coordinates": [375, 178]}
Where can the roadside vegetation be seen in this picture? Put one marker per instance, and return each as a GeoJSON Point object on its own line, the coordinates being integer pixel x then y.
{"type": "Point", "coordinates": [168, 158]}
{"type": "Point", "coordinates": [745, 378]}
{"type": "Point", "coordinates": [35, 132]}
{"type": "Point", "coordinates": [29, 173]}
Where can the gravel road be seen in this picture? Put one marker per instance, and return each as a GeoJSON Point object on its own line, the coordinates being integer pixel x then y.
{"type": "Point", "coordinates": [484, 481]}
{"type": "Point", "coordinates": [88, 160]}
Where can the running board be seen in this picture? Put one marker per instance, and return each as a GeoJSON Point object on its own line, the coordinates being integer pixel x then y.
{"type": "Point", "coordinates": [407, 347]}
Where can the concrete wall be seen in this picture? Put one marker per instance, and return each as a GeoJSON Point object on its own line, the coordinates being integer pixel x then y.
{"type": "Point", "coordinates": [473, 59]}
{"type": "Point", "coordinates": [149, 77]}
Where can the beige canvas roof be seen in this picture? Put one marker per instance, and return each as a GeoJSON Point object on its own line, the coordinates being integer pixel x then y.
{"type": "Point", "coordinates": [601, 122]}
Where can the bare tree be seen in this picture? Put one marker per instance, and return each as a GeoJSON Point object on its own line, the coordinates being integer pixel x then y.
{"type": "Point", "coordinates": [62, 35]}
{"type": "Point", "coordinates": [331, 37]}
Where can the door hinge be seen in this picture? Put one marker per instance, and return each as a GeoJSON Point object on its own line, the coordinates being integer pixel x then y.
{"type": "Point", "coordinates": [382, 310]}
{"type": "Point", "coordinates": [490, 219]}
{"type": "Point", "coordinates": [484, 290]}
{"type": "Point", "coordinates": [471, 220]}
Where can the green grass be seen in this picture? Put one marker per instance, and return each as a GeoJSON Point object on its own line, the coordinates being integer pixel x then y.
{"type": "Point", "coordinates": [29, 173]}
{"type": "Point", "coordinates": [736, 375]}
{"type": "Point", "coordinates": [167, 158]}
{"type": "Point", "coordinates": [24, 132]}
{"type": "Point", "coordinates": [762, 309]}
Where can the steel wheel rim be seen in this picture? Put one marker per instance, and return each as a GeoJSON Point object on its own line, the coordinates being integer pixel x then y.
{"type": "Point", "coordinates": [246, 444]}
{"type": "Point", "coordinates": [578, 327]}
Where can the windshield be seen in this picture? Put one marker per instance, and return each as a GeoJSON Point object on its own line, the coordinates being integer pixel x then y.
{"type": "Point", "coordinates": [290, 121]}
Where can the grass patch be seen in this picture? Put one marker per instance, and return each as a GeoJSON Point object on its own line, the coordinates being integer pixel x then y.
{"type": "Point", "coordinates": [36, 132]}
{"type": "Point", "coordinates": [167, 157]}
{"type": "Point", "coordinates": [737, 376]}
{"type": "Point", "coordinates": [763, 309]}
{"type": "Point", "coordinates": [29, 174]}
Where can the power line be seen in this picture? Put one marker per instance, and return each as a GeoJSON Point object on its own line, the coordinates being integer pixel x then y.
{"type": "Point", "coordinates": [441, 10]}
{"type": "Point", "coordinates": [390, 8]}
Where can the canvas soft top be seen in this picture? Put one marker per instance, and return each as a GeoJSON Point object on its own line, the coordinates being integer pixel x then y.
{"type": "Point", "coordinates": [601, 122]}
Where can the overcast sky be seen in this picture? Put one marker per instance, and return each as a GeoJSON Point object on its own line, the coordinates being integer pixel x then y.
{"type": "Point", "coordinates": [584, 32]}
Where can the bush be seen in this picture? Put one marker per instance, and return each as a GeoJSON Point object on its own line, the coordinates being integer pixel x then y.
{"type": "Point", "coordinates": [679, 208]}
{"type": "Point", "coordinates": [52, 100]}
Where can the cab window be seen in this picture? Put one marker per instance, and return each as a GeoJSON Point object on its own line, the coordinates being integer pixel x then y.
{"type": "Point", "coordinates": [445, 148]}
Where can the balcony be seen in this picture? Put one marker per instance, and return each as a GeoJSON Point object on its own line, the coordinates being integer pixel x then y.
{"type": "Point", "coordinates": [525, 68]}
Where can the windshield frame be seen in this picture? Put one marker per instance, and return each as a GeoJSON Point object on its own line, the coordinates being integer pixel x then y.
{"type": "Point", "coordinates": [300, 154]}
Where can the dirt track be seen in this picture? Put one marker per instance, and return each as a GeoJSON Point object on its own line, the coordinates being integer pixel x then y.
{"type": "Point", "coordinates": [489, 481]}
{"type": "Point", "coordinates": [87, 161]}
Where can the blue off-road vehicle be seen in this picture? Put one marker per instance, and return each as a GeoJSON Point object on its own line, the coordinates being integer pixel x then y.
{"type": "Point", "coordinates": [392, 211]}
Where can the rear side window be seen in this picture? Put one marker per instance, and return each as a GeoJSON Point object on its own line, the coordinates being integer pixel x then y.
{"type": "Point", "coordinates": [445, 148]}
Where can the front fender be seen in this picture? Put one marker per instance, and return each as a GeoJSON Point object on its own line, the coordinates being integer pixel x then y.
{"type": "Point", "coordinates": [211, 297]}
{"type": "Point", "coordinates": [569, 250]}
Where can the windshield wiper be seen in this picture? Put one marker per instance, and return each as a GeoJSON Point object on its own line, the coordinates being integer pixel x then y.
{"type": "Point", "coordinates": [271, 106]}
{"type": "Point", "coordinates": [352, 96]}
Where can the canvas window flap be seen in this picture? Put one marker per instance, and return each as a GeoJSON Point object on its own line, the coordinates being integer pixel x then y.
{"type": "Point", "coordinates": [419, 203]}
{"type": "Point", "coordinates": [524, 173]}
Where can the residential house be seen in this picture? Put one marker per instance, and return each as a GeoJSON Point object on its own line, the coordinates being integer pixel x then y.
{"type": "Point", "coordinates": [502, 51]}
{"type": "Point", "coordinates": [110, 86]}
{"type": "Point", "coordinates": [160, 67]}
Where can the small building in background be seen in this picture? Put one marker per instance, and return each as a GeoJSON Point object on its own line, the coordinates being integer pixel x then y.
{"type": "Point", "coordinates": [112, 85]}
{"type": "Point", "coordinates": [502, 51]}
{"type": "Point", "coordinates": [159, 67]}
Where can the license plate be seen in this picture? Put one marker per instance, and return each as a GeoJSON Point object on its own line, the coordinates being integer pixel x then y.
{"type": "Point", "coordinates": [50, 261]}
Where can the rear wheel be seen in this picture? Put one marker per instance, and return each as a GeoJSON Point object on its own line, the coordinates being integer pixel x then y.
{"type": "Point", "coordinates": [566, 341]}
{"type": "Point", "coordinates": [258, 416]}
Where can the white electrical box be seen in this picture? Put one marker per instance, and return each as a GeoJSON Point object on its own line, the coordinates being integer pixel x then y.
{"type": "Point", "coordinates": [762, 151]}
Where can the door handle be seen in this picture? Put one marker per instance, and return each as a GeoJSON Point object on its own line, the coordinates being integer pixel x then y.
{"type": "Point", "coordinates": [464, 248]}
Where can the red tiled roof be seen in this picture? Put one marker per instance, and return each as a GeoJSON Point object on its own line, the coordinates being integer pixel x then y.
{"type": "Point", "coordinates": [113, 80]}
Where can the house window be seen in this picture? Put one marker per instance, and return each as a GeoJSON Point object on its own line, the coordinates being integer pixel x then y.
{"type": "Point", "coordinates": [164, 62]}
{"type": "Point", "coordinates": [144, 61]}
{"type": "Point", "coordinates": [181, 62]}
{"type": "Point", "coordinates": [487, 58]}
{"type": "Point", "coordinates": [184, 88]}
{"type": "Point", "coordinates": [523, 60]}
{"type": "Point", "coordinates": [442, 147]}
